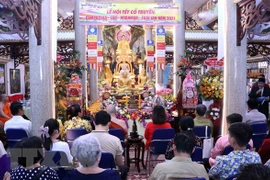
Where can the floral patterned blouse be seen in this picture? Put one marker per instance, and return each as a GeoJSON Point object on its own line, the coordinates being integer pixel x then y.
{"type": "Point", "coordinates": [228, 166]}
{"type": "Point", "coordinates": [76, 123]}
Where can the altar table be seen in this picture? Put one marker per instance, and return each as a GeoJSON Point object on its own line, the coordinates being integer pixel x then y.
{"type": "Point", "coordinates": [140, 127]}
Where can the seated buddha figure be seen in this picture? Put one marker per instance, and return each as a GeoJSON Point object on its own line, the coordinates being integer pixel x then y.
{"type": "Point", "coordinates": [142, 78]}
{"type": "Point", "coordinates": [124, 83]}
{"type": "Point", "coordinates": [123, 47]}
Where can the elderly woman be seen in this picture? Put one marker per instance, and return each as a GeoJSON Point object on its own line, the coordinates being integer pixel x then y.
{"type": "Point", "coordinates": [86, 149]}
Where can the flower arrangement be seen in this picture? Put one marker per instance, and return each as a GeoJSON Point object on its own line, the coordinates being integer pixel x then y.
{"type": "Point", "coordinates": [167, 96]}
{"type": "Point", "coordinates": [63, 72]}
{"type": "Point", "coordinates": [123, 114]}
{"type": "Point", "coordinates": [214, 113]}
{"type": "Point", "coordinates": [141, 115]}
{"type": "Point", "coordinates": [147, 102]}
{"type": "Point", "coordinates": [210, 86]}
{"type": "Point", "coordinates": [111, 100]}
{"type": "Point", "coordinates": [183, 66]}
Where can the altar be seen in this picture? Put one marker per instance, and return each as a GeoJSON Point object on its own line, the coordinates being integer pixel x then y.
{"type": "Point", "coordinates": [124, 69]}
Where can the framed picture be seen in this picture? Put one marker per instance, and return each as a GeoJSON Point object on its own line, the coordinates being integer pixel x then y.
{"type": "Point", "coordinates": [15, 81]}
{"type": "Point", "coordinates": [2, 79]}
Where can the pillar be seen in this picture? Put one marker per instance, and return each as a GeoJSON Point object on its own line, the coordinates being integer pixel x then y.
{"type": "Point", "coordinates": [159, 71]}
{"type": "Point", "coordinates": [41, 61]}
{"type": "Point", "coordinates": [148, 36]}
{"type": "Point", "coordinates": [179, 46]}
{"type": "Point", "coordinates": [234, 63]}
{"type": "Point", "coordinates": [80, 45]}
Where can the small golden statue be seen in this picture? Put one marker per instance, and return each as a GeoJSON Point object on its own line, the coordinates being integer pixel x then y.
{"type": "Point", "coordinates": [106, 73]}
{"type": "Point", "coordinates": [142, 78]}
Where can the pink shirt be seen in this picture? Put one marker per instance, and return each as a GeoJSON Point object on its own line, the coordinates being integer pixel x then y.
{"type": "Point", "coordinates": [220, 145]}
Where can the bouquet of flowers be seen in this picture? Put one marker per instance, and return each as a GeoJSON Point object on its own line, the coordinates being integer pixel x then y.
{"type": "Point", "coordinates": [111, 100]}
{"type": "Point", "coordinates": [167, 96]}
{"type": "Point", "coordinates": [214, 113]}
{"type": "Point", "coordinates": [123, 114]}
{"type": "Point", "coordinates": [211, 85]}
{"type": "Point", "coordinates": [183, 66]}
{"type": "Point", "coordinates": [147, 102]}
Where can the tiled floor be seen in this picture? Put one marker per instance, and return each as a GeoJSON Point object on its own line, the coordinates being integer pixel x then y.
{"type": "Point", "coordinates": [143, 174]}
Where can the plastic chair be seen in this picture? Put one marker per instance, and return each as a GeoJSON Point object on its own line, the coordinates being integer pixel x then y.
{"type": "Point", "coordinates": [259, 133]}
{"type": "Point", "coordinates": [58, 161]}
{"type": "Point", "coordinates": [107, 161]}
{"type": "Point", "coordinates": [203, 132]}
{"type": "Point", "coordinates": [4, 165]}
{"type": "Point", "coordinates": [14, 136]}
{"type": "Point", "coordinates": [72, 134]}
{"type": "Point", "coordinates": [118, 133]}
{"type": "Point", "coordinates": [55, 158]}
{"type": "Point", "coordinates": [159, 143]}
{"type": "Point", "coordinates": [259, 128]}
{"type": "Point", "coordinates": [229, 149]}
{"type": "Point", "coordinates": [62, 171]}
{"type": "Point", "coordinates": [197, 155]}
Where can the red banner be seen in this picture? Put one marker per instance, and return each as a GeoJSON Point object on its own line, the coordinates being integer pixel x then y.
{"type": "Point", "coordinates": [161, 45]}
{"type": "Point", "coordinates": [213, 62]}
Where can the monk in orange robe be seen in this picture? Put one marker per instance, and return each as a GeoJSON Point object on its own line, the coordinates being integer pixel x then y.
{"type": "Point", "coordinates": [5, 112]}
{"type": "Point", "coordinates": [116, 123]}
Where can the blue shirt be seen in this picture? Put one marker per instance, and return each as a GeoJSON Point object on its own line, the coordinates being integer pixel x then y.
{"type": "Point", "coordinates": [107, 174]}
{"type": "Point", "coordinates": [228, 166]}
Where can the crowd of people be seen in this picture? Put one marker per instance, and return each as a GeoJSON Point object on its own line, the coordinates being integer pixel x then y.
{"type": "Point", "coordinates": [85, 154]}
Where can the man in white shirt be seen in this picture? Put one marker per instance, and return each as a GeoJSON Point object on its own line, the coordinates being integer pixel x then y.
{"type": "Point", "coordinates": [253, 114]}
{"type": "Point", "coordinates": [17, 121]}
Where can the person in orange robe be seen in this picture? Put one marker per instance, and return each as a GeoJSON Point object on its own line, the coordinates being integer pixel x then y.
{"type": "Point", "coordinates": [5, 112]}
{"type": "Point", "coordinates": [116, 123]}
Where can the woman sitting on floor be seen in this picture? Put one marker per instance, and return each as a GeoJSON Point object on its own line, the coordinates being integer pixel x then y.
{"type": "Point", "coordinates": [50, 134]}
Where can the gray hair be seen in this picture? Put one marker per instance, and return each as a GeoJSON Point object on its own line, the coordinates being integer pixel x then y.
{"type": "Point", "coordinates": [111, 109]}
{"type": "Point", "coordinates": [86, 149]}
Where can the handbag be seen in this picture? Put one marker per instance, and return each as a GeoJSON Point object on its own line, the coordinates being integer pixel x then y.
{"type": "Point", "coordinates": [207, 145]}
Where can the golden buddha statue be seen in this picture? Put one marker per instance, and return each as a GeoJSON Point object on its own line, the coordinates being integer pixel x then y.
{"type": "Point", "coordinates": [142, 78]}
{"type": "Point", "coordinates": [124, 80]}
{"type": "Point", "coordinates": [106, 73]}
{"type": "Point", "coordinates": [123, 47]}
{"type": "Point", "coordinates": [124, 83]}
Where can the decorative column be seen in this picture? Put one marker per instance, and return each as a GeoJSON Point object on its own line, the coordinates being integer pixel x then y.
{"type": "Point", "coordinates": [159, 71]}
{"type": "Point", "coordinates": [179, 45]}
{"type": "Point", "coordinates": [80, 45]}
{"type": "Point", "coordinates": [148, 36]}
{"type": "Point", "coordinates": [234, 63]}
{"type": "Point", "coordinates": [41, 61]}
